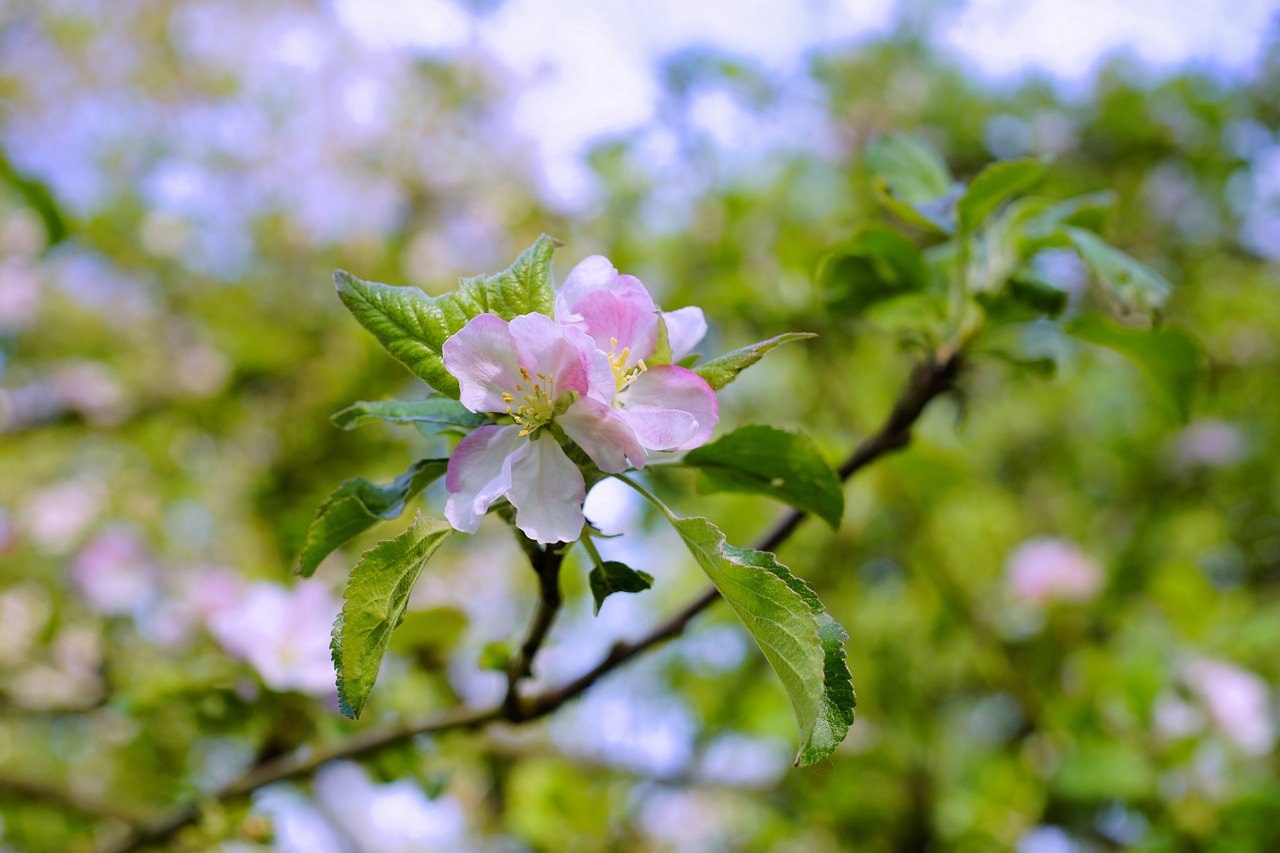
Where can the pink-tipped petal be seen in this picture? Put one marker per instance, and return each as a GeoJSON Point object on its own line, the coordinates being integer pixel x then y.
{"type": "Point", "coordinates": [479, 473]}
{"type": "Point", "coordinates": [547, 491]}
{"type": "Point", "coordinates": [670, 408]}
{"type": "Point", "coordinates": [542, 348]}
{"type": "Point", "coordinates": [624, 312]}
{"type": "Point", "coordinates": [600, 381]}
{"type": "Point", "coordinates": [591, 273]}
{"type": "Point", "coordinates": [482, 356]}
{"type": "Point", "coordinates": [685, 327]}
{"type": "Point", "coordinates": [601, 431]}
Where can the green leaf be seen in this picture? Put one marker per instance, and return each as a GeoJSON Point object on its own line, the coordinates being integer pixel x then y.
{"type": "Point", "coordinates": [413, 326]}
{"type": "Point", "coordinates": [357, 505]}
{"type": "Point", "coordinates": [912, 182]}
{"type": "Point", "coordinates": [434, 629]}
{"type": "Point", "coordinates": [993, 186]}
{"type": "Point", "coordinates": [375, 601]}
{"type": "Point", "coordinates": [763, 460]}
{"type": "Point", "coordinates": [496, 656]}
{"type": "Point", "coordinates": [1169, 357]}
{"type": "Point", "coordinates": [803, 644]}
{"type": "Point", "coordinates": [611, 576]}
{"type": "Point", "coordinates": [875, 264]}
{"type": "Point", "coordinates": [913, 171]}
{"type": "Point", "coordinates": [719, 372]}
{"type": "Point", "coordinates": [434, 410]}
{"type": "Point", "coordinates": [1134, 284]}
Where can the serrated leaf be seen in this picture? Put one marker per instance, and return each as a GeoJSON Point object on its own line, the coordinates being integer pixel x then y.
{"type": "Point", "coordinates": [375, 601]}
{"type": "Point", "coordinates": [413, 326]}
{"type": "Point", "coordinates": [993, 186]}
{"type": "Point", "coordinates": [1134, 284]}
{"type": "Point", "coordinates": [1169, 357]}
{"type": "Point", "coordinates": [435, 410]}
{"type": "Point", "coordinates": [802, 643]}
{"type": "Point", "coordinates": [357, 505]}
{"type": "Point", "coordinates": [873, 265]}
{"type": "Point", "coordinates": [914, 172]}
{"type": "Point", "coordinates": [612, 576]}
{"type": "Point", "coordinates": [719, 372]}
{"type": "Point", "coordinates": [762, 460]}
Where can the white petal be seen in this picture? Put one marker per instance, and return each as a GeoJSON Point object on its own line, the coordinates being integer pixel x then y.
{"type": "Point", "coordinates": [479, 473]}
{"type": "Point", "coordinates": [547, 491]}
{"type": "Point", "coordinates": [685, 327]}
{"type": "Point", "coordinates": [542, 348]}
{"type": "Point", "coordinates": [600, 382]}
{"type": "Point", "coordinates": [670, 408]}
{"type": "Point", "coordinates": [603, 434]}
{"type": "Point", "coordinates": [590, 273]}
{"type": "Point", "coordinates": [482, 355]}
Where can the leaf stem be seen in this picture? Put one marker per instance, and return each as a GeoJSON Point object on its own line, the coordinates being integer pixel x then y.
{"type": "Point", "coordinates": [649, 496]}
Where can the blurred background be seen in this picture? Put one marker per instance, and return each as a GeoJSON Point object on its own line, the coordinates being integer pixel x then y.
{"type": "Point", "coordinates": [1062, 600]}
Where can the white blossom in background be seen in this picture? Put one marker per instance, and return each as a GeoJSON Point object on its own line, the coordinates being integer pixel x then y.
{"type": "Point", "coordinates": [283, 632]}
{"type": "Point", "coordinates": [115, 572]}
{"type": "Point", "coordinates": [1237, 702]}
{"type": "Point", "coordinates": [396, 817]}
{"type": "Point", "coordinates": [1044, 570]}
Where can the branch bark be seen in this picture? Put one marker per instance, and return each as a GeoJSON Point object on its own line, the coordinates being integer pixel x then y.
{"type": "Point", "coordinates": [931, 378]}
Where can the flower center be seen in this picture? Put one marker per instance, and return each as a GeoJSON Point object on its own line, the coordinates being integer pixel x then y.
{"type": "Point", "coordinates": [622, 376]}
{"type": "Point", "coordinates": [537, 409]}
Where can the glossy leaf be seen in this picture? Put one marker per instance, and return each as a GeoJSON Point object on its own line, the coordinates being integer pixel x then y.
{"type": "Point", "coordinates": [357, 505]}
{"type": "Point", "coordinates": [763, 460]}
{"type": "Point", "coordinates": [375, 602]}
{"type": "Point", "coordinates": [434, 410]}
{"type": "Point", "coordinates": [1169, 357]}
{"type": "Point", "coordinates": [1134, 284]}
{"type": "Point", "coordinates": [612, 576]}
{"type": "Point", "coordinates": [995, 185]}
{"type": "Point", "coordinates": [413, 326]}
{"type": "Point", "coordinates": [719, 372]}
{"type": "Point", "coordinates": [802, 643]}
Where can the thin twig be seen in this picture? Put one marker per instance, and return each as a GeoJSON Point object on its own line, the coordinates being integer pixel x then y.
{"type": "Point", "coordinates": [933, 377]}
{"type": "Point", "coordinates": [546, 562]}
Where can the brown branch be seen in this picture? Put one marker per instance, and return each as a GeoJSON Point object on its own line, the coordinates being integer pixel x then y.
{"type": "Point", "coordinates": [933, 377]}
{"type": "Point", "coordinates": [546, 562]}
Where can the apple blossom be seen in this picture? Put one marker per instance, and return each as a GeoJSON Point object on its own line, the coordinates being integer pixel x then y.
{"type": "Point", "coordinates": [549, 378]}
{"type": "Point", "coordinates": [667, 406]}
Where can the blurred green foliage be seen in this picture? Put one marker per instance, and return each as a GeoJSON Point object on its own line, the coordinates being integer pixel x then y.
{"type": "Point", "coordinates": [175, 398]}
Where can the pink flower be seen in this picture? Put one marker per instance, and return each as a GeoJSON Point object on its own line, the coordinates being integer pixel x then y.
{"type": "Point", "coordinates": [115, 572]}
{"type": "Point", "coordinates": [668, 407]}
{"type": "Point", "coordinates": [552, 380]}
{"type": "Point", "coordinates": [283, 632]}
{"type": "Point", "coordinates": [1043, 569]}
{"type": "Point", "coordinates": [1237, 701]}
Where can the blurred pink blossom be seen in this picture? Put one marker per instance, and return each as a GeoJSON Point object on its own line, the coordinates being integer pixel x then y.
{"type": "Point", "coordinates": [1211, 443]}
{"type": "Point", "coordinates": [283, 632]}
{"type": "Point", "coordinates": [1043, 569]}
{"type": "Point", "coordinates": [56, 516]}
{"type": "Point", "coordinates": [115, 572]}
{"type": "Point", "coordinates": [1237, 701]}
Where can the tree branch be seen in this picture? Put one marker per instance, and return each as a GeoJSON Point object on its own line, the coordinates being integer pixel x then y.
{"type": "Point", "coordinates": [932, 377]}
{"type": "Point", "coordinates": [546, 562]}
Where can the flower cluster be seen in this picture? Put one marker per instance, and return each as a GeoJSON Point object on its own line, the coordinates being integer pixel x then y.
{"type": "Point", "coordinates": [600, 374]}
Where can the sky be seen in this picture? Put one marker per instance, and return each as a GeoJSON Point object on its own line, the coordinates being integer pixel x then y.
{"type": "Point", "coordinates": [589, 70]}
